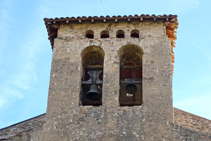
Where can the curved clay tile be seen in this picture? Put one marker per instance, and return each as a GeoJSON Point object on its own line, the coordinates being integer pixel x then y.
{"type": "Point", "coordinates": [153, 15]}
{"type": "Point", "coordinates": [147, 16]}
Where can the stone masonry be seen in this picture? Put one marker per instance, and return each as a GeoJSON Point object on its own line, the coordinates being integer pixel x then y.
{"type": "Point", "coordinates": [66, 119]}
{"type": "Point", "coordinates": [31, 128]}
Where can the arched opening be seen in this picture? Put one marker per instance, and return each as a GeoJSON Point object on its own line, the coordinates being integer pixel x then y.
{"type": "Point", "coordinates": [134, 33]}
{"type": "Point", "coordinates": [130, 75]}
{"type": "Point", "coordinates": [104, 34]}
{"type": "Point", "coordinates": [120, 34]}
{"type": "Point", "coordinates": [90, 34]}
{"type": "Point", "coordinates": [92, 78]}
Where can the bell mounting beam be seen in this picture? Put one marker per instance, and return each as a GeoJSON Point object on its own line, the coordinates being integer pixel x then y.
{"type": "Point", "coordinates": [94, 77]}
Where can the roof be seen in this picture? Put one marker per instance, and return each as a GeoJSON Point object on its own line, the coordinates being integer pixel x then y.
{"type": "Point", "coordinates": [170, 21]}
{"type": "Point", "coordinates": [191, 121]}
{"type": "Point", "coordinates": [181, 118]}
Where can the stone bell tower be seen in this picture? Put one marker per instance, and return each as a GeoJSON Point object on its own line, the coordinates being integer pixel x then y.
{"type": "Point", "coordinates": [111, 78]}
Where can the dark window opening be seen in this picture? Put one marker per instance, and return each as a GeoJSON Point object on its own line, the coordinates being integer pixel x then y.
{"type": "Point", "coordinates": [92, 79]}
{"type": "Point", "coordinates": [104, 34]}
{"type": "Point", "coordinates": [135, 33]}
{"type": "Point", "coordinates": [89, 34]}
{"type": "Point", "coordinates": [120, 34]}
{"type": "Point", "coordinates": [130, 76]}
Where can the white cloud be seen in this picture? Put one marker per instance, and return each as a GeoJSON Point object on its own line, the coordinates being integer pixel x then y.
{"type": "Point", "coordinates": [23, 79]}
{"type": "Point", "coordinates": [2, 102]}
{"type": "Point", "coordinates": [24, 76]}
{"type": "Point", "coordinates": [9, 95]}
{"type": "Point", "coordinates": [4, 22]}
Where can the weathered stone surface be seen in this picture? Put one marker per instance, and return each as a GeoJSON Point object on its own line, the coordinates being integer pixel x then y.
{"type": "Point", "coordinates": [67, 120]}
{"type": "Point", "coordinates": [32, 129]}
{"type": "Point", "coordinates": [27, 130]}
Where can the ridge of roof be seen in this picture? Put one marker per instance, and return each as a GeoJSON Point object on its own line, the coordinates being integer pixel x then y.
{"type": "Point", "coordinates": [109, 17]}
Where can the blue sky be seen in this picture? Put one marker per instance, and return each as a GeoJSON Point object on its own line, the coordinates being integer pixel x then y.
{"type": "Point", "coordinates": [25, 51]}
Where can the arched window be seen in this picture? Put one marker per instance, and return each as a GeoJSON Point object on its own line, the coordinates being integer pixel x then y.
{"type": "Point", "coordinates": [90, 34]}
{"type": "Point", "coordinates": [120, 34]}
{"type": "Point", "coordinates": [104, 34]}
{"type": "Point", "coordinates": [134, 33]}
{"type": "Point", "coordinates": [92, 78]}
{"type": "Point", "coordinates": [130, 75]}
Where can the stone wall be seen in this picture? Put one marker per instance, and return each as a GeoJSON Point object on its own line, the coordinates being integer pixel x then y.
{"type": "Point", "coordinates": [67, 119]}
{"type": "Point", "coordinates": [191, 121]}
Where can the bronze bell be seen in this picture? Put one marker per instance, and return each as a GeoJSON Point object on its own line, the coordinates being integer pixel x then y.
{"type": "Point", "coordinates": [93, 93]}
{"type": "Point", "coordinates": [131, 88]}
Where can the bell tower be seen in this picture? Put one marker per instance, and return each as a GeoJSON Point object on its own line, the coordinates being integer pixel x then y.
{"type": "Point", "coordinates": [111, 78]}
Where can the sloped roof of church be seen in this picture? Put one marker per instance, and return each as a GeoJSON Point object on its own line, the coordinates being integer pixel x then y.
{"type": "Point", "coordinates": [191, 122]}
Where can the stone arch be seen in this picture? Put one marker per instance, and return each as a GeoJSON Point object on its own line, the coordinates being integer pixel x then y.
{"type": "Point", "coordinates": [92, 55]}
{"type": "Point", "coordinates": [134, 33]}
{"type": "Point", "coordinates": [92, 59]}
{"type": "Point", "coordinates": [90, 34]}
{"type": "Point", "coordinates": [130, 75]}
{"type": "Point", "coordinates": [120, 34]}
{"type": "Point", "coordinates": [104, 34]}
{"type": "Point", "coordinates": [126, 53]}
